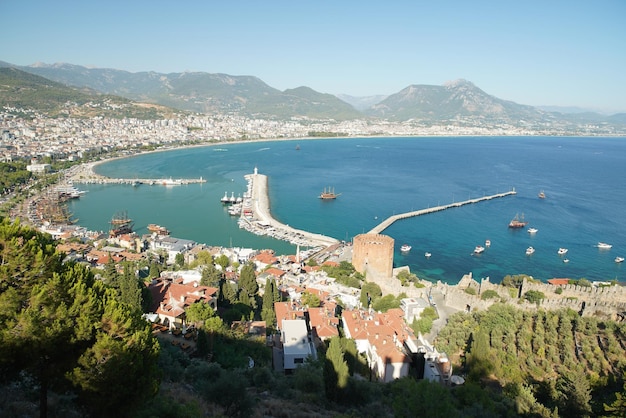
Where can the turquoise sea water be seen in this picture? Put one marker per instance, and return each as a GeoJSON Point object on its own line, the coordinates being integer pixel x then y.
{"type": "Point", "coordinates": [378, 177]}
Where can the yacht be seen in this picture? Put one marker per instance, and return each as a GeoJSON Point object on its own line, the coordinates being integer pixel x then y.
{"type": "Point", "coordinates": [427, 255]}
{"type": "Point", "coordinates": [619, 259]}
{"type": "Point", "coordinates": [604, 246]}
{"type": "Point", "coordinates": [479, 249]}
{"type": "Point", "coordinates": [532, 230]}
{"type": "Point", "coordinates": [405, 248]}
{"type": "Point", "coordinates": [562, 251]}
{"type": "Point", "coordinates": [488, 243]}
{"type": "Point", "coordinates": [530, 250]}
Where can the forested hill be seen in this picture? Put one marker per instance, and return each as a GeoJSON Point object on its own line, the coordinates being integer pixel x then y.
{"type": "Point", "coordinates": [547, 361]}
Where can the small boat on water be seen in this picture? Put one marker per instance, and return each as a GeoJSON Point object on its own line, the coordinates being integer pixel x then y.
{"type": "Point", "coordinates": [566, 260]}
{"type": "Point", "coordinates": [488, 243]}
{"type": "Point", "coordinates": [405, 248]}
{"type": "Point", "coordinates": [479, 249]}
{"type": "Point", "coordinates": [518, 222]}
{"type": "Point", "coordinates": [542, 195]}
{"type": "Point", "coordinates": [619, 259]}
{"type": "Point", "coordinates": [530, 251]}
{"type": "Point", "coordinates": [604, 246]}
{"type": "Point", "coordinates": [225, 199]}
{"type": "Point", "coordinates": [158, 229]}
{"type": "Point", "coordinates": [562, 251]}
{"type": "Point", "coordinates": [427, 254]}
{"type": "Point", "coordinates": [329, 194]}
{"type": "Point", "coordinates": [532, 230]}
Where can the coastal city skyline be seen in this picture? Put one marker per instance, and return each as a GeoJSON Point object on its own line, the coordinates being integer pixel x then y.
{"type": "Point", "coordinates": [560, 54]}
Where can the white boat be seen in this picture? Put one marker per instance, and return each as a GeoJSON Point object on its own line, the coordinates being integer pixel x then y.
{"type": "Point", "coordinates": [488, 243]}
{"type": "Point", "coordinates": [69, 191]}
{"type": "Point", "coordinates": [225, 199]}
{"type": "Point", "coordinates": [427, 254]}
{"type": "Point", "coordinates": [619, 259]}
{"type": "Point", "coordinates": [532, 230]}
{"type": "Point", "coordinates": [479, 249]}
{"type": "Point", "coordinates": [405, 248]}
{"type": "Point", "coordinates": [604, 246]}
{"type": "Point", "coordinates": [566, 260]}
{"type": "Point", "coordinates": [171, 182]}
{"type": "Point", "coordinates": [562, 251]}
{"type": "Point", "coordinates": [530, 250]}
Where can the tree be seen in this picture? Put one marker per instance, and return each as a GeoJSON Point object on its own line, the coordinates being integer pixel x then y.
{"type": "Point", "coordinates": [574, 394]}
{"type": "Point", "coordinates": [336, 372]}
{"type": "Point", "coordinates": [248, 287]}
{"type": "Point", "coordinates": [128, 288]}
{"type": "Point", "coordinates": [198, 313]}
{"type": "Point", "coordinates": [268, 314]}
{"type": "Point", "coordinates": [211, 276]}
{"type": "Point", "coordinates": [618, 407]}
{"type": "Point", "coordinates": [534, 296]}
{"type": "Point", "coordinates": [53, 315]}
{"type": "Point", "coordinates": [223, 261]}
{"type": "Point", "coordinates": [372, 290]}
{"type": "Point", "coordinates": [311, 300]}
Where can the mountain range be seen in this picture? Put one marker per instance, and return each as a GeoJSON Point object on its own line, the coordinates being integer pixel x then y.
{"type": "Point", "coordinates": [459, 102]}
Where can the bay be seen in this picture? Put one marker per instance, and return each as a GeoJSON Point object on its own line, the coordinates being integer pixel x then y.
{"type": "Point", "coordinates": [378, 177]}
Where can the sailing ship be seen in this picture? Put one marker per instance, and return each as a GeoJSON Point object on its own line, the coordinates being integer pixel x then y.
{"type": "Point", "coordinates": [518, 222]}
{"type": "Point", "coordinates": [120, 224]}
{"type": "Point", "coordinates": [329, 194]}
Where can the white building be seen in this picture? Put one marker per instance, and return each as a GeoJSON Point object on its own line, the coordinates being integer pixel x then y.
{"type": "Point", "coordinates": [297, 346]}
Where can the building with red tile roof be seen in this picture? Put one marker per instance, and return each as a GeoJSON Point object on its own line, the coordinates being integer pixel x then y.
{"type": "Point", "coordinates": [381, 337]}
{"type": "Point", "coordinates": [558, 282]}
{"type": "Point", "coordinates": [171, 298]}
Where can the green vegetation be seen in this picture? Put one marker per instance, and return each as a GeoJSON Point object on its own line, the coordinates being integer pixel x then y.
{"type": "Point", "coordinates": [544, 360]}
{"type": "Point", "coordinates": [345, 274]}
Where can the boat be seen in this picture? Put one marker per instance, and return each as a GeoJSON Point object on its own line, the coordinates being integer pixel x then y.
{"type": "Point", "coordinates": [225, 198]}
{"type": "Point", "coordinates": [120, 224]}
{"type": "Point", "coordinates": [604, 246]}
{"type": "Point", "coordinates": [329, 194]}
{"type": "Point", "coordinates": [69, 192]}
{"type": "Point", "coordinates": [619, 259]}
{"type": "Point", "coordinates": [532, 230]}
{"type": "Point", "coordinates": [405, 248]}
{"type": "Point", "coordinates": [562, 251]}
{"type": "Point", "coordinates": [158, 229]}
{"type": "Point", "coordinates": [530, 250]}
{"type": "Point", "coordinates": [518, 222]}
{"type": "Point", "coordinates": [427, 254]}
{"type": "Point", "coordinates": [171, 182]}
{"type": "Point", "coordinates": [542, 195]}
{"type": "Point", "coordinates": [566, 260]}
{"type": "Point", "coordinates": [479, 249]}
{"type": "Point", "coordinates": [488, 243]}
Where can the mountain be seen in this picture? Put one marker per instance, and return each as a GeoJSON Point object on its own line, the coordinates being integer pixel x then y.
{"type": "Point", "coordinates": [202, 92]}
{"type": "Point", "coordinates": [23, 90]}
{"type": "Point", "coordinates": [458, 102]}
{"type": "Point", "coordinates": [459, 99]}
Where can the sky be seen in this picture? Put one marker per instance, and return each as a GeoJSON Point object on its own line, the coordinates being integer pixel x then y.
{"type": "Point", "coordinates": [539, 53]}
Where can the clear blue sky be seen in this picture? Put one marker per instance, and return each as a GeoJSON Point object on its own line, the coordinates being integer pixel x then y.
{"type": "Point", "coordinates": [546, 52]}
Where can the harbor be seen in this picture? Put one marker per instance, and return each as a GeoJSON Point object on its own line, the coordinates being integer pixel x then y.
{"type": "Point", "coordinates": [390, 220]}
{"type": "Point", "coordinates": [256, 217]}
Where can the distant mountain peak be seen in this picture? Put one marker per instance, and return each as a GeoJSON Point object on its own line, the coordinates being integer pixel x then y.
{"type": "Point", "coordinates": [459, 82]}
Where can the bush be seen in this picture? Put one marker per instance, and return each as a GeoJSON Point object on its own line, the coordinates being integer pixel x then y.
{"type": "Point", "coordinates": [470, 291]}
{"type": "Point", "coordinates": [489, 294]}
{"type": "Point", "coordinates": [534, 296]}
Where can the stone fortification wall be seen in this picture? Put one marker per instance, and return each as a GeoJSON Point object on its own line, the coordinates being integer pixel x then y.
{"type": "Point", "coordinates": [372, 255]}
{"type": "Point", "coordinates": [609, 302]}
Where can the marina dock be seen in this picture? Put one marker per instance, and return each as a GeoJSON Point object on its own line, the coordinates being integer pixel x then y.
{"type": "Point", "coordinates": [390, 220]}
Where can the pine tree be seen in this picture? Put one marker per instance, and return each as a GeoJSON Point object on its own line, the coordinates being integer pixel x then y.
{"type": "Point", "coordinates": [248, 287]}
{"type": "Point", "coordinates": [336, 371]}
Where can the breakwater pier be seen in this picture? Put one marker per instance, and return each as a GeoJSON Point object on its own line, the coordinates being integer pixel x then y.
{"type": "Point", "coordinates": [390, 220]}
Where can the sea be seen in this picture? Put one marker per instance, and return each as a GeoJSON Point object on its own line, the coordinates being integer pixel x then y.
{"type": "Point", "coordinates": [582, 178]}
